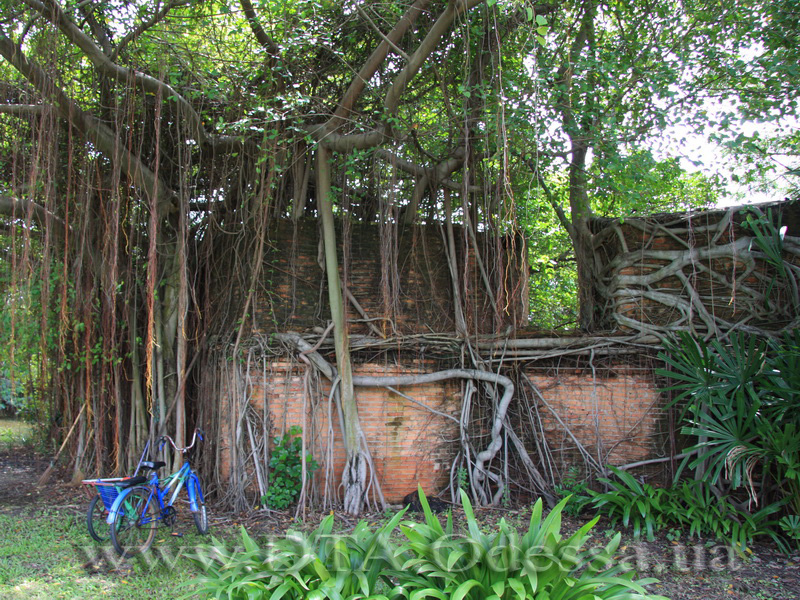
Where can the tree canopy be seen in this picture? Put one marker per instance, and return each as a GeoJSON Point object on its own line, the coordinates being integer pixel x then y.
{"type": "Point", "coordinates": [147, 144]}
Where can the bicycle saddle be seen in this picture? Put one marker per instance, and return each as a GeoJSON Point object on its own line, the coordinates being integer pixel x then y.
{"type": "Point", "coordinates": [133, 481]}
{"type": "Point", "coordinates": [152, 465]}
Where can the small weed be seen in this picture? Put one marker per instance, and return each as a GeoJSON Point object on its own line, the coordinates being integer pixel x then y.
{"type": "Point", "coordinates": [573, 484]}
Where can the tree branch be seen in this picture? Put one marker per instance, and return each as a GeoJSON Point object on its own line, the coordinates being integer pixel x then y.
{"type": "Point", "coordinates": [95, 130]}
{"type": "Point", "coordinates": [52, 12]}
{"type": "Point", "coordinates": [425, 49]}
{"type": "Point", "coordinates": [375, 28]}
{"type": "Point", "coordinates": [19, 208]}
{"type": "Point", "coordinates": [373, 62]}
{"type": "Point", "coordinates": [22, 110]}
{"type": "Point", "coordinates": [436, 173]}
{"type": "Point", "coordinates": [145, 25]}
{"type": "Point", "coordinates": [252, 19]}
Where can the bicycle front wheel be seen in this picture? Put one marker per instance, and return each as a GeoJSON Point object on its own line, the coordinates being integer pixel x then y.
{"type": "Point", "coordinates": [96, 520]}
{"type": "Point", "coordinates": [200, 515]}
{"type": "Point", "coordinates": [135, 524]}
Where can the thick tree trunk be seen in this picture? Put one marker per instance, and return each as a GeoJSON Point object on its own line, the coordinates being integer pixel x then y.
{"type": "Point", "coordinates": [581, 235]}
{"type": "Point", "coordinates": [354, 476]}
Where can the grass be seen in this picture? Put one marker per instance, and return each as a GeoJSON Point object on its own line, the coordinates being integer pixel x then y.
{"type": "Point", "coordinates": [50, 555]}
{"type": "Point", "coordinates": [14, 433]}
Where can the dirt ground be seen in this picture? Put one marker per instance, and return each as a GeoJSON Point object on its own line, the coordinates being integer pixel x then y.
{"type": "Point", "coordinates": [686, 569]}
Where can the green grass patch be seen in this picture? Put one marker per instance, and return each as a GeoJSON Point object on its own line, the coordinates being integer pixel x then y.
{"type": "Point", "coordinates": [15, 433]}
{"type": "Point", "coordinates": [50, 555]}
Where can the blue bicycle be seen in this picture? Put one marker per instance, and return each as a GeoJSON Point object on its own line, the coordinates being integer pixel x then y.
{"type": "Point", "coordinates": [138, 509]}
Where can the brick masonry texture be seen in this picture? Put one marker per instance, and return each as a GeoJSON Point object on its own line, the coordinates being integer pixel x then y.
{"type": "Point", "coordinates": [418, 298]}
{"type": "Point", "coordinates": [714, 279]}
{"type": "Point", "coordinates": [410, 445]}
{"type": "Point", "coordinates": [615, 411]}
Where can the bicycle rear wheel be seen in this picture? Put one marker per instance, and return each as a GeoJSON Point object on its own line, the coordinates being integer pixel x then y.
{"type": "Point", "coordinates": [96, 520]}
{"type": "Point", "coordinates": [134, 526]}
{"type": "Point", "coordinates": [200, 516]}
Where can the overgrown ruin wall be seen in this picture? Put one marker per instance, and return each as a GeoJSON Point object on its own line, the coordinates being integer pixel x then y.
{"type": "Point", "coordinates": [410, 444]}
{"type": "Point", "coordinates": [588, 410]}
{"type": "Point", "coordinates": [705, 272]}
{"type": "Point", "coordinates": [614, 411]}
{"type": "Point", "coordinates": [402, 288]}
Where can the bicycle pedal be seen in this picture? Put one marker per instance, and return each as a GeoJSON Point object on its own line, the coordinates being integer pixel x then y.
{"type": "Point", "coordinates": [176, 534]}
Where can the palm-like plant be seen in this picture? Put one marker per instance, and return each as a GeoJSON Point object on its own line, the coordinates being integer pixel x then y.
{"type": "Point", "coordinates": [540, 564]}
{"type": "Point", "coordinates": [742, 403]}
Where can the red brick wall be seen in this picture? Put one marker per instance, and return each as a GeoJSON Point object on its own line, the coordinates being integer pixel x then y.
{"type": "Point", "coordinates": [409, 444]}
{"type": "Point", "coordinates": [729, 284]}
{"type": "Point", "coordinates": [293, 296]}
{"type": "Point", "coordinates": [616, 413]}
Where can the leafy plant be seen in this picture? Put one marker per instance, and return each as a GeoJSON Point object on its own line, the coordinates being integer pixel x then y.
{"type": "Point", "coordinates": [433, 562]}
{"type": "Point", "coordinates": [635, 504]}
{"type": "Point", "coordinates": [741, 405]}
{"type": "Point", "coordinates": [576, 488]}
{"type": "Point", "coordinates": [790, 525]}
{"type": "Point", "coordinates": [539, 564]}
{"type": "Point", "coordinates": [742, 408]}
{"type": "Point", "coordinates": [692, 505]}
{"type": "Point", "coordinates": [302, 566]}
{"type": "Point", "coordinates": [286, 462]}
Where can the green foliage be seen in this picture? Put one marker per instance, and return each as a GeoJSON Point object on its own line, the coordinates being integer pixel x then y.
{"type": "Point", "coordinates": [286, 463]}
{"type": "Point", "coordinates": [635, 504]}
{"type": "Point", "coordinates": [741, 406]}
{"type": "Point", "coordinates": [15, 434]}
{"type": "Point", "coordinates": [572, 485]}
{"type": "Point", "coordinates": [462, 478]}
{"type": "Point", "coordinates": [790, 525]}
{"type": "Point", "coordinates": [692, 506]}
{"type": "Point", "coordinates": [12, 400]}
{"type": "Point", "coordinates": [741, 402]}
{"type": "Point", "coordinates": [302, 566]}
{"type": "Point", "coordinates": [432, 562]}
{"type": "Point", "coordinates": [538, 564]}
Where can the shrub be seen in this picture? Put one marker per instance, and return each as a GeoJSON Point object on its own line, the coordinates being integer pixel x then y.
{"type": "Point", "coordinates": [635, 504]}
{"type": "Point", "coordinates": [741, 405]}
{"type": "Point", "coordinates": [432, 562]}
{"type": "Point", "coordinates": [286, 480]}
{"type": "Point", "coordinates": [539, 564]}
{"type": "Point", "coordinates": [301, 566]}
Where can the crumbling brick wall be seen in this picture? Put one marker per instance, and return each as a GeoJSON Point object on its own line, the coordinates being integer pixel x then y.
{"type": "Point", "coordinates": [293, 296]}
{"type": "Point", "coordinates": [615, 411]}
{"type": "Point", "coordinates": [702, 272]}
{"type": "Point", "coordinates": [410, 444]}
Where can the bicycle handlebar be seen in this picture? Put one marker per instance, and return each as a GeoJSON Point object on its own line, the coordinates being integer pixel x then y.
{"type": "Point", "coordinates": [197, 433]}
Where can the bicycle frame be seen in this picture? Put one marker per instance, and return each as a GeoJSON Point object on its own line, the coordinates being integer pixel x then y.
{"type": "Point", "coordinates": [160, 489]}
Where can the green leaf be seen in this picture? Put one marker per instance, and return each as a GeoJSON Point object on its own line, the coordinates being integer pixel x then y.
{"type": "Point", "coordinates": [463, 589]}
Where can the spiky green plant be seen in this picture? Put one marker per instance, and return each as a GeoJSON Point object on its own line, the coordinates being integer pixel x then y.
{"type": "Point", "coordinates": [541, 564]}
{"type": "Point", "coordinates": [634, 504]}
{"type": "Point", "coordinates": [303, 566]}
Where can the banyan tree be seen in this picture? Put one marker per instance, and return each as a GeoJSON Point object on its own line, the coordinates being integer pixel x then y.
{"type": "Point", "coordinates": [151, 149]}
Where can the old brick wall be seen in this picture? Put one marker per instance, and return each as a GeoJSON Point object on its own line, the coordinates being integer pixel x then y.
{"type": "Point", "coordinates": [410, 445]}
{"type": "Point", "coordinates": [405, 289]}
{"type": "Point", "coordinates": [615, 411]}
{"type": "Point", "coordinates": [686, 271]}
